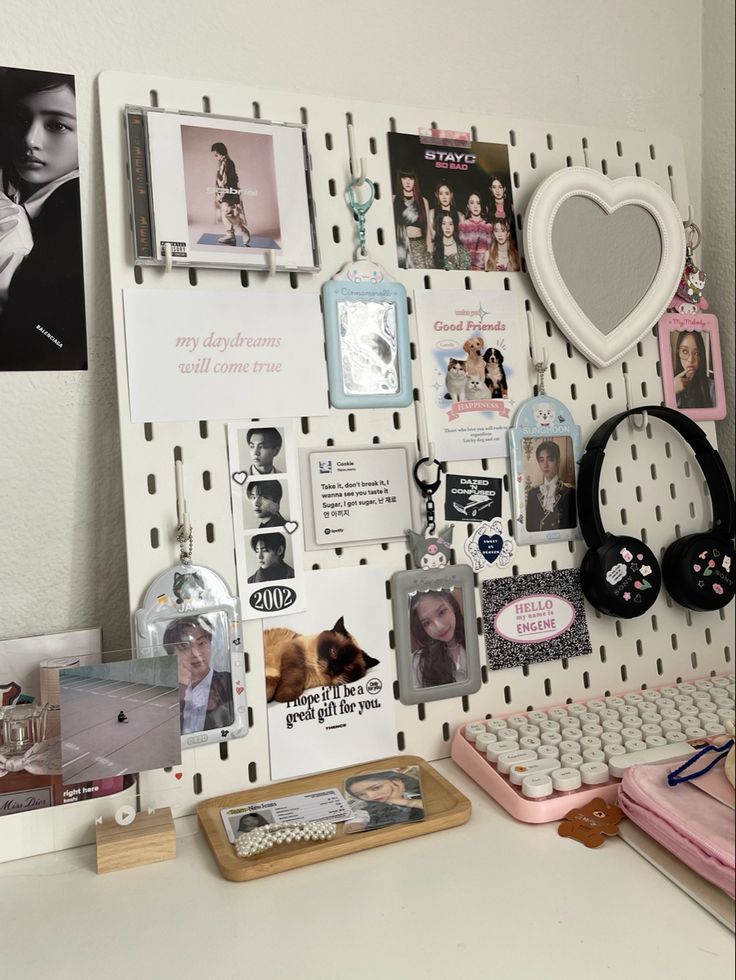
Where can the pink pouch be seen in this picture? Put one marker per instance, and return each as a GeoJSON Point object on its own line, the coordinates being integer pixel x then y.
{"type": "Point", "coordinates": [691, 824]}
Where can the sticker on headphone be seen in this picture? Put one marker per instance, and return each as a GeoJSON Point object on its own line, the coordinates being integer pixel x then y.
{"type": "Point", "coordinates": [489, 546]}
{"type": "Point", "coordinates": [544, 449]}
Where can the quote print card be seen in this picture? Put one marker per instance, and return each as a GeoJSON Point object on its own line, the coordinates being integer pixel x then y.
{"type": "Point", "coordinates": [264, 490]}
{"type": "Point", "coordinates": [474, 372]}
{"type": "Point", "coordinates": [329, 675]}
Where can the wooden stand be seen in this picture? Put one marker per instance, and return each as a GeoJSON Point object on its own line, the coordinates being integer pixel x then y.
{"type": "Point", "coordinates": [150, 838]}
{"type": "Point", "coordinates": [445, 807]}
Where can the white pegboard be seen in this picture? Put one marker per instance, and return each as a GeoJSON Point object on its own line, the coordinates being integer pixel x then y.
{"type": "Point", "coordinates": [652, 486]}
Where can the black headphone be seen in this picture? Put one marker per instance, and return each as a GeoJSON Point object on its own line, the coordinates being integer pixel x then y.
{"type": "Point", "coordinates": [620, 575]}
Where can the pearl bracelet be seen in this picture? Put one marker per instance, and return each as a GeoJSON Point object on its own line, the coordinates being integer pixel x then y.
{"type": "Point", "coordinates": [262, 838]}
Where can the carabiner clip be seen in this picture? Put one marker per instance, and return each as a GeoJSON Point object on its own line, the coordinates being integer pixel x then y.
{"type": "Point", "coordinates": [358, 208]}
{"type": "Point", "coordinates": [426, 488]}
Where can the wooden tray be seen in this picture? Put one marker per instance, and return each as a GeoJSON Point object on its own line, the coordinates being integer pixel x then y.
{"type": "Point", "coordinates": [444, 806]}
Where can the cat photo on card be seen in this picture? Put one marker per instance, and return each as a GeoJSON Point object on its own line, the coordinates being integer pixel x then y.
{"type": "Point", "coordinates": [328, 675]}
{"type": "Point", "coordinates": [473, 369]}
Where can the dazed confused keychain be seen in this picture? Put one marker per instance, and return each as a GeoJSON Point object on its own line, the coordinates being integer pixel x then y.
{"type": "Point", "coordinates": [188, 611]}
{"type": "Point", "coordinates": [366, 327]}
{"type": "Point", "coordinates": [544, 450]}
{"type": "Point", "coordinates": [434, 613]}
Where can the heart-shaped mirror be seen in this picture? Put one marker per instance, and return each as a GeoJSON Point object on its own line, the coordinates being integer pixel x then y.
{"type": "Point", "coordinates": [605, 257]}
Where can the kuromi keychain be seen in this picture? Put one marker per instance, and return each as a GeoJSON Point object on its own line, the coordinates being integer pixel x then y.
{"type": "Point", "coordinates": [544, 450]}
{"type": "Point", "coordinates": [430, 550]}
{"type": "Point", "coordinates": [366, 327]}
{"type": "Point", "coordinates": [188, 611]}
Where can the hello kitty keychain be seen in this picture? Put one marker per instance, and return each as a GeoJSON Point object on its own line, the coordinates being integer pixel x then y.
{"type": "Point", "coordinates": [366, 326]}
{"type": "Point", "coordinates": [544, 450]}
{"type": "Point", "coordinates": [188, 611]}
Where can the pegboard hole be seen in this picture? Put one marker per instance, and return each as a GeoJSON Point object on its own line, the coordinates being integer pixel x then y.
{"type": "Point", "coordinates": [445, 732]}
{"type": "Point", "coordinates": [421, 713]}
{"type": "Point", "coordinates": [153, 98]}
{"type": "Point", "coordinates": [517, 181]}
{"type": "Point", "coordinates": [673, 640]}
{"type": "Point", "coordinates": [151, 483]}
{"type": "Point", "coordinates": [178, 455]}
{"type": "Point", "coordinates": [624, 516]}
{"type": "Point", "coordinates": [568, 161]}
{"type": "Point", "coordinates": [192, 277]}
{"type": "Point", "coordinates": [533, 161]}
{"type": "Point", "coordinates": [586, 680]}
{"type": "Point", "coordinates": [604, 167]}
{"type": "Point", "coordinates": [673, 491]}
{"type": "Point", "coordinates": [619, 475]}
{"type": "Point", "coordinates": [658, 513]}
{"type": "Point", "coordinates": [427, 282]}
{"type": "Point", "coordinates": [203, 430]}
{"type": "Point", "coordinates": [652, 151]}
{"type": "Point", "coordinates": [377, 190]}
{"type": "Point", "coordinates": [708, 636]}
{"type": "Point", "coordinates": [209, 532]}
{"type": "Point", "coordinates": [256, 110]}
{"type": "Point", "coordinates": [244, 279]}
{"type": "Point", "coordinates": [197, 783]}
{"type": "Point", "coordinates": [392, 124]}
{"type": "Point", "coordinates": [400, 741]}
{"type": "Point", "coordinates": [574, 392]}
{"type": "Point", "coordinates": [379, 236]}
{"type": "Point", "coordinates": [206, 103]}
{"type": "Point", "coordinates": [602, 654]}
{"type": "Point", "coordinates": [604, 497]}
{"type": "Point", "coordinates": [655, 624]}
{"type": "Point", "coordinates": [653, 470]}
{"type": "Point", "coordinates": [506, 283]}
{"type": "Point", "coordinates": [638, 494]}
{"type": "Point", "coordinates": [328, 140]}
{"type": "Point", "coordinates": [637, 169]}
{"type": "Point", "coordinates": [639, 648]}
{"type": "Point", "coordinates": [332, 187]}
{"type": "Point", "coordinates": [694, 660]}
{"type": "Point", "coordinates": [293, 280]}
{"type": "Point", "coordinates": [624, 673]}
{"type": "Point", "coordinates": [223, 751]}
{"type": "Point", "coordinates": [206, 480]}
{"type": "Point", "coordinates": [619, 148]}
{"type": "Point", "coordinates": [465, 702]}
{"type": "Point", "coordinates": [335, 234]}
{"type": "Point", "coordinates": [252, 772]}
{"type": "Point", "coordinates": [351, 422]}
{"type": "Point", "coordinates": [547, 686]}
{"type": "Point", "coordinates": [397, 421]}
{"type": "Point", "coordinates": [512, 137]}
{"type": "Point", "coordinates": [372, 145]}
{"type": "Point", "coordinates": [138, 274]}
{"type": "Point", "coordinates": [154, 537]}
{"type": "Point", "coordinates": [660, 666]}
{"type": "Point", "coordinates": [507, 694]}
{"type": "Point", "coordinates": [148, 431]}
{"type": "Point", "coordinates": [619, 631]}
{"type": "Point", "coordinates": [550, 145]}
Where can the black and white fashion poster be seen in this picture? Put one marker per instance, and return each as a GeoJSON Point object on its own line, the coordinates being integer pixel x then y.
{"type": "Point", "coordinates": [42, 315]}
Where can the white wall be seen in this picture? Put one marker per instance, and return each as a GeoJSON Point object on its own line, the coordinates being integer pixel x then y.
{"type": "Point", "coordinates": [626, 64]}
{"type": "Point", "coordinates": [718, 191]}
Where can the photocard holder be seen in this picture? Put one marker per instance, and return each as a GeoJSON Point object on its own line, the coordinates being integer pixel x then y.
{"type": "Point", "coordinates": [692, 370]}
{"type": "Point", "coordinates": [435, 632]}
{"type": "Point", "coordinates": [188, 611]}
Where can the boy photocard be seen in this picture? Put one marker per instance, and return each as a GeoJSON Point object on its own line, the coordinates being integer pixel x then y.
{"type": "Point", "coordinates": [189, 614]}
{"type": "Point", "coordinates": [220, 191]}
{"type": "Point", "coordinates": [42, 313]}
{"type": "Point", "coordinates": [692, 371]}
{"type": "Point", "coordinates": [544, 449]}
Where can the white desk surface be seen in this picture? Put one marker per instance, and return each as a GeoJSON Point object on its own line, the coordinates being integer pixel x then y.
{"type": "Point", "coordinates": [494, 898]}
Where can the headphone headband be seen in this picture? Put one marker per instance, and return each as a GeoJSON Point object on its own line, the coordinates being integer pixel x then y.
{"type": "Point", "coordinates": [709, 460]}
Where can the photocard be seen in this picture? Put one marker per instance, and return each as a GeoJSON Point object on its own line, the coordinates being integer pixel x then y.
{"type": "Point", "coordinates": [692, 370]}
{"type": "Point", "coordinates": [266, 503]}
{"type": "Point", "coordinates": [269, 557]}
{"type": "Point", "coordinates": [261, 450]}
{"type": "Point", "coordinates": [436, 633]}
{"type": "Point", "coordinates": [384, 798]}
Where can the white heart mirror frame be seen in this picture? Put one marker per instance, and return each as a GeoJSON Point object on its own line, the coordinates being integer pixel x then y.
{"type": "Point", "coordinates": [601, 349]}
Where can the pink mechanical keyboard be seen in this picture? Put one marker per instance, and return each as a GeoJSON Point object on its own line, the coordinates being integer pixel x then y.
{"type": "Point", "coordinates": [539, 765]}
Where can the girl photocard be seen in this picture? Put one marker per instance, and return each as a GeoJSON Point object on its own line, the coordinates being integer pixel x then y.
{"type": "Point", "coordinates": [436, 633]}
{"type": "Point", "coordinates": [692, 372]}
{"type": "Point", "coordinates": [453, 206]}
{"type": "Point", "coordinates": [544, 449]}
{"type": "Point", "coordinates": [42, 314]}
{"type": "Point", "coordinates": [220, 191]}
{"type": "Point", "coordinates": [384, 798]}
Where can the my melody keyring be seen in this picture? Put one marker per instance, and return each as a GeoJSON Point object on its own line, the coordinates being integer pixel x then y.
{"type": "Point", "coordinates": [366, 326]}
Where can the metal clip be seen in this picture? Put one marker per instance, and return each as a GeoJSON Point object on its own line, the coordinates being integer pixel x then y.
{"type": "Point", "coordinates": [639, 426]}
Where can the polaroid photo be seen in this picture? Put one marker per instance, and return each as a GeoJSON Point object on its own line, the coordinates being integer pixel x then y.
{"type": "Point", "coordinates": [692, 370]}
{"type": "Point", "coordinates": [384, 798]}
{"type": "Point", "coordinates": [119, 718]}
{"type": "Point", "coordinates": [474, 369]}
{"type": "Point", "coordinates": [453, 205]}
{"type": "Point", "coordinates": [264, 486]}
{"type": "Point", "coordinates": [544, 451]}
{"type": "Point", "coordinates": [42, 309]}
{"type": "Point", "coordinates": [189, 614]}
{"type": "Point", "coordinates": [436, 633]}
{"type": "Point", "coordinates": [220, 191]}
{"type": "Point", "coordinates": [358, 495]}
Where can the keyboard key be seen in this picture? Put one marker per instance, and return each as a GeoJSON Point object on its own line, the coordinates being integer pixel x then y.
{"type": "Point", "coordinates": [572, 734]}
{"type": "Point", "coordinates": [669, 692]}
{"type": "Point", "coordinates": [530, 742]}
{"type": "Point", "coordinates": [590, 742]}
{"type": "Point", "coordinates": [611, 750]}
{"type": "Point", "coordinates": [566, 779]}
{"type": "Point", "coordinates": [549, 726]}
{"type": "Point", "coordinates": [608, 714]}
{"type": "Point", "coordinates": [612, 738]}
{"type": "Point", "coordinates": [704, 685]}
{"type": "Point", "coordinates": [575, 710]}
{"type": "Point", "coordinates": [515, 758]}
{"type": "Point", "coordinates": [615, 703]}
{"type": "Point", "coordinates": [483, 740]}
{"type": "Point", "coordinates": [627, 710]}
{"type": "Point", "coordinates": [507, 734]}
{"type": "Point", "coordinates": [498, 748]}
{"type": "Point", "coordinates": [557, 714]}
{"type": "Point", "coordinates": [706, 718]}
{"type": "Point", "coordinates": [681, 699]}
{"type": "Point", "coordinates": [669, 752]}
{"type": "Point", "coordinates": [628, 733]}
{"type": "Point", "coordinates": [720, 682]}
{"type": "Point", "coordinates": [595, 730]}
{"type": "Point", "coordinates": [665, 703]}
{"type": "Point", "coordinates": [726, 715]}
{"type": "Point", "coordinates": [568, 745]}
{"type": "Point", "coordinates": [596, 706]}
{"type": "Point", "coordinates": [589, 718]}
{"type": "Point", "coordinates": [518, 773]}
{"type": "Point", "coordinates": [536, 716]}
{"type": "Point", "coordinates": [650, 730]}
{"type": "Point", "coordinates": [537, 787]}
{"type": "Point", "coordinates": [496, 724]}
{"type": "Point", "coordinates": [516, 721]}
{"type": "Point", "coordinates": [548, 752]}
{"type": "Point", "coordinates": [651, 717]}
{"type": "Point", "coordinates": [655, 740]}
{"type": "Point", "coordinates": [675, 736]}
{"type": "Point", "coordinates": [594, 773]}
{"type": "Point", "coordinates": [713, 728]}
{"type": "Point", "coordinates": [571, 760]}
{"type": "Point", "coordinates": [528, 730]}
{"type": "Point", "coordinates": [685, 710]}
{"type": "Point", "coordinates": [594, 755]}
{"type": "Point", "coordinates": [572, 722]}
{"type": "Point", "coordinates": [694, 731]}
{"type": "Point", "coordinates": [474, 729]}
{"type": "Point", "coordinates": [633, 698]}
{"type": "Point", "coordinates": [613, 725]}
{"type": "Point", "coordinates": [633, 721]}
{"type": "Point", "coordinates": [670, 725]}
{"type": "Point", "coordinates": [551, 738]}
{"type": "Point", "coordinates": [651, 695]}
{"type": "Point", "coordinates": [635, 745]}
{"type": "Point", "coordinates": [686, 688]}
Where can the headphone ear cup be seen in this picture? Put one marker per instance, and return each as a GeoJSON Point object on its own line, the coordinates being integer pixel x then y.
{"type": "Point", "coordinates": [621, 578]}
{"type": "Point", "coordinates": [699, 570]}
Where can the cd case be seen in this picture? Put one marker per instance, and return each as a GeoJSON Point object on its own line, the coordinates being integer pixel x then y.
{"type": "Point", "coordinates": [219, 191]}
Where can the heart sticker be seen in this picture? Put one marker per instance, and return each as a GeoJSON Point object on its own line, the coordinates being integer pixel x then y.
{"type": "Point", "coordinates": [239, 689]}
{"type": "Point", "coordinates": [490, 546]}
{"type": "Point", "coordinates": [178, 775]}
{"type": "Point", "coordinates": [240, 477]}
{"type": "Point", "coordinates": [290, 527]}
{"type": "Point", "coordinates": [697, 568]}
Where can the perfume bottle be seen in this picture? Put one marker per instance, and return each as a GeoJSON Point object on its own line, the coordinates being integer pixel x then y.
{"type": "Point", "coordinates": [22, 727]}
